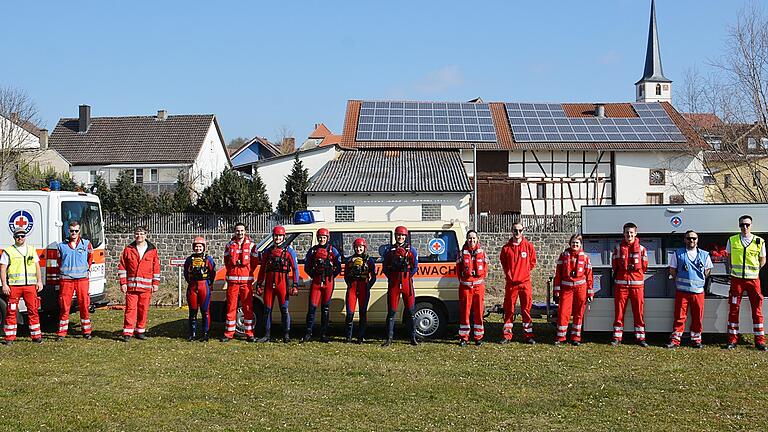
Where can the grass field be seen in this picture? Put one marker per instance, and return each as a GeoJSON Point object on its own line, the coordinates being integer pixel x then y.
{"type": "Point", "coordinates": [167, 383]}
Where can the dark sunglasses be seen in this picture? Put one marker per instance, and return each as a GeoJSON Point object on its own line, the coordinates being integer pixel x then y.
{"type": "Point", "coordinates": [691, 238]}
{"type": "Point", "coordinates": [517, 230]}
{"type": "Point", "coordinates": [741, 225]}
{"type": "Point", "coordinates": [19, 235]}
{"type": "Point", "coordinates": [74, 231]}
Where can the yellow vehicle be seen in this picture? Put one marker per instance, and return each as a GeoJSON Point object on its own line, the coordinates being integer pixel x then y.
{"type": "Point", "coordinates": [435, 282]}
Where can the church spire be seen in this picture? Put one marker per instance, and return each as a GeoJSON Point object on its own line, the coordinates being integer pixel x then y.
{"type": "Point", "coordinates": [653, 86]}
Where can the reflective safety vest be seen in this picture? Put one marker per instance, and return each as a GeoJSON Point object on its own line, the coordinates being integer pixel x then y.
{"type": "Point", "coordinates": [74, 262]}
{"type": "Point", "coordinates": [745, 262]}
{"type": "Point", "coordinates": [690, 274]}
{"type": "Point", "coordinates": [21, 268]}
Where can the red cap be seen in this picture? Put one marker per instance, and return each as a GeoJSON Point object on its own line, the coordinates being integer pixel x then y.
{"type": "Point", "coordinates": [278, 230]}
{"type": "Point", "coordinates": [198, 240]}
{"type": "Point", "coordinates": [360, 242]}
{"type": "Point", "coordinates": [323, 232]}
{"type": "Point", "coordinates": [401, 230]}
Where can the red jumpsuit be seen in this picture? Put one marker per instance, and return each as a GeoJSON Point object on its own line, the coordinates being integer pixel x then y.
{"type": "Point", "coordinates": [400, 264]}
{"type": "Point", "coordinates": [323, 264]}
{"type": "Point", "coordinates": [630, 261]}
{"type": "Point", "coordinates": [517, 261]}
{"type": "Point", "coordinates": [199, 272]}
{"type": "Point", "coordinates": [74, 286]}
{"type": "Point", "coordinates": [573, 286]}
{"type": "Point", "coordinates": [142, 276]}
{"type": "Point", "coordinates": [471, 269]}
{"type": "Point", "coordinates": [360, 275]}
{"type": "Point", "coordinates": [276, 262]}
{"type": "Point", "coordinates": [29, 294]}
{"type": "Point", "coordinates": [237, 261]}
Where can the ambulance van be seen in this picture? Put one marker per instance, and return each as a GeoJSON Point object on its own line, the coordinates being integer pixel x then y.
{"type": "Point", "coordinates": [435, 283]}
{"type": "Point", "coordinates": [45, 216]}
{"type": "Point", "coordinates": [660, 230]}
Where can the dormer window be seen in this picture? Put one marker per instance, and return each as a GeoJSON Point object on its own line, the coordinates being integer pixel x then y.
{"type": "Point", "coordinates": [751, 143]}
{"type": "Point", "coordinates": [658, 89]}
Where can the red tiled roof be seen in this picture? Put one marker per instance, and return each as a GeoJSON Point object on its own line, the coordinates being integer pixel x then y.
{"type": "Point", "coordinates": [703, 121]}
{"type": "Point", "coordinates": [622, 110]}
{"type": "Point", "coordinates": [330, 139]}
{"type": "Point", "coordinates": [320, 132]}
{"type": "Point", "coordinates": [501, 123]}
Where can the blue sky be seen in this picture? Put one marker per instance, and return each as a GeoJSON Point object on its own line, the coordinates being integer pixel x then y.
{"type": "Point", "coordinates": [260, 66]}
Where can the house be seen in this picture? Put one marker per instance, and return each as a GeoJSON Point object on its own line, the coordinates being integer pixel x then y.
{"type": "Point", "coordinates": [153, 150]}
{"type": "Point", "coordinates": [255, 149]}
{"type": "Point", "coordinates": [394, 184]}
{"type": "Point", "coordinates": [551, 158]}
{"type": "Point", "coordinates": [321, 136]}
{"type": "Point", "coordinates": [24, 144]}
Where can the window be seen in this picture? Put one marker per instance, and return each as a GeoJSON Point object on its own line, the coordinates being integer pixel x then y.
{"type": "Point", "coordinates": [153, 175]}
{"type": "Point", "coordinates": [716, 144]}
{"type": "Point", "coordinates": [727, 180]}
{"type": "Point", "coordinates": [300, 242]}
{"type": "Point", "coordinates": [751, 143]}
{"type": "Point", "coordinates": [658, 89]}
{"type": "Point", "coordinates": [764, 143]}
{"type": "Point", "coordinates": [654, 198]}
{"type": "Point", "coordinates": [92, 176]}
{"type": "Point", "coordinates": [89, 216]}
{"type": "Point", "coordinates": [656, 177]}
{"type": "Point", "coordinates": [345, 214]}
{"type": "Point", "coordinates": [541, 190]}
{"type": "Point", "coordinates": [709, 180]}
{"type": "Point", "coordinates": [378, 242]}
{"type": "Point", "coordinates": [137, 175]}
{"type": "Point", "coordinates": [641, 90]}
{"type": "Point", "coordinates": [435, 246]}
{"type": "Point", "coordinates": [431, 212]}
{"type": "Point", "coordinates": [676, 199]}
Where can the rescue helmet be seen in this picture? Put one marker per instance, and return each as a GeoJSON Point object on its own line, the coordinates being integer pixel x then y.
{"type": "Point", "coordinates": [323, 232]}
{"type": "Point", "coordinates": [198, 240]}
{"type": "Point", "coordinates": [360, 242]}
{"type": "Point", "coordinates": [401, 230]}
{"type": "Point", "coordinates": [278, 230]}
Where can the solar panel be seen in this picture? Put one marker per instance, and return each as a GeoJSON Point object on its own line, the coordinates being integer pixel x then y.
{"type": "Point", "coordinates": [535, 122]}
{"type": "Point", "coordinates": [425, 121]}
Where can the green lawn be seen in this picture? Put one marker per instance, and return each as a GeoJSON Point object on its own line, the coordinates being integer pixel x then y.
{"type": "Point", "coordinates": [167, 383]}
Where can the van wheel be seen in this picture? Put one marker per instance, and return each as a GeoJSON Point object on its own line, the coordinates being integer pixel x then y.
{"type": "Point", "coordinates": [430, 320]}
{"type": "Point", "coordinates": [258, 316]}
{"type": "Point", "coordinates": [3, 308]}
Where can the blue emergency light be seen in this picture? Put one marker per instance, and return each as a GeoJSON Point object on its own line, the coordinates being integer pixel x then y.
{"type": "Point", "coordinates": [55, 185]}
{"type": "Point", "coordinates": [303, 217]}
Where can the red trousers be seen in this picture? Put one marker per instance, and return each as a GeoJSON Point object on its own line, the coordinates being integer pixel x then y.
{"type": "Point", "coordinates": [67, 289]}
{"type": "Point", "coordinates": [275, 284]}
{"type": "Point", "coordinates": [471, 300]}
{"type": "Point", "coordinates": [636, 296]}
{"type": "Point", "coordinates": [29, 294]}
{"type": "Point", "coordinates": [511, 293]}
{"type": "Point", "coordinates": [573, 301]}
{"type": "Point", "coordinates": [399, 285]}
{"type": "Point", "coordinates": [243, 292]}
{"type": "Point", "coordinates": [136, 310]}
{"type": "Point", "coordinates": [357, 293]}
{"type": "Point", "coordinates": [199, 298]}
{"type": "Point", "coordinates": [683, 300]}
{"type": "Point", "coordinates": [320, 291]}
{"type": "Point", "coordinates": [752, 288]}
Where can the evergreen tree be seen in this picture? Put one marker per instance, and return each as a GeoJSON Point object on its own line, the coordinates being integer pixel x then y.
{"type": "Point", "coordinates": [182, 196]}
{"type": "Point", "coordinates": [259, 196]}
{"type": "Point", "coordinates": [31, 177]}
{"type": "Point", "coordinates": [131, 198]}
{"type": "Point", "coordinates": [293, 198]}
{"type": "Point", "coordinates": [101, 189]}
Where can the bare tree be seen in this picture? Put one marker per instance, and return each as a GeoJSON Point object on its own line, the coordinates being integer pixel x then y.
{"type": "Point", "coordinates": [18, 117]}
{"type": "Point", "coordinates": [284, 138]}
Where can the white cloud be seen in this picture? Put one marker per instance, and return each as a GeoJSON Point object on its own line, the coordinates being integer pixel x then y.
{"type": "Point", "coordinates": [440, 80]}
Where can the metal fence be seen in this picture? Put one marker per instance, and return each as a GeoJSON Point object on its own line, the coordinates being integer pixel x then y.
{"type": "Point", "coordinates": [198, 223]}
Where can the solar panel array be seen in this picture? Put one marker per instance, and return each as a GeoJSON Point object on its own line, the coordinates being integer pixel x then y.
{"type": "Point", "coordinates": [535, 122]}
{"type": "Point", "coordinates": [425, 121]}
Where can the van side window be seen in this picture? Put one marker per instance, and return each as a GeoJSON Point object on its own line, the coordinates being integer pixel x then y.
{"type": "Point", "coordinates": [435, 246]}
{"type": "Point", "coordinates": [301, 242]}
{"type": "Point", "coordinates": [378, 242]}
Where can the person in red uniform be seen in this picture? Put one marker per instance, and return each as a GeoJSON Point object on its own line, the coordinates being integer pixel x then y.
{"type": "Point", "coordinates": [20, 276]}
{"type": "Point", "coordinates": [471, 269]}
{"type": "Point", "coordinates": [572, 290]}
{"type": "Point", "coordinates": [322, 264]}
{"type": "Point", "coordinates": [400, 264]}
{"type": "Point", "coordinates": [277, 261]}
{"type": "Point", "coordinates": [74, 258]}
{"type": "Point", "coordinates": [518, 258]}
{"type": "Point", "coordinates": [199, 272]}
{"type": "Point", "coordinates": [629, 263]}
{"type": "Point", "coordinates": [360, 275]}
{"type": "Point", "coordinates": [139, 273]}
{"type": "Point", "coordinates": [237, 261]}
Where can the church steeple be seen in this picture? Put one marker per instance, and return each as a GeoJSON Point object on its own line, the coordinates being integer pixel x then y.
{"type": "Point", "coordinates": [653, 86]}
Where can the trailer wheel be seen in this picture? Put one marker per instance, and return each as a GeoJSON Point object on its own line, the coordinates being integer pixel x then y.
{"type": "Point", "coordinates": [430, 320]}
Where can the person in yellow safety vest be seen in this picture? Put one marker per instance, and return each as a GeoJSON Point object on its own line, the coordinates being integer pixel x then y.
{"type": "Point", "coordinates": [20, 275]}
{"type": "Point", "coordinates": [746, 255]}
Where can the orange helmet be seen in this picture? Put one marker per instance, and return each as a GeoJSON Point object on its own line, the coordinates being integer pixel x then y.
{"type": "Point", "coordinates": [401, 230]}
{"type": "Point", "coordinates": [323, 232]}
{"type": "Point", "coordinates": [198, 240]}
{"type": "Point", "coordinates": [360, 242]}
{"type": "Point", "coordinates": [278, 230]}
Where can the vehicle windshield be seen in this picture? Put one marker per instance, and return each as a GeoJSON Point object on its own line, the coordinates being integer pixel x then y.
{"type": "Point", "coordinates": [89, 215]}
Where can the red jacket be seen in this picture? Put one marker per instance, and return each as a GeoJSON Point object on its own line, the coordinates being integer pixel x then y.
{"type": "Point", "coordinates": [629, 264]}
{"type": "Point", "coordinates": [238, 261]}
{"type": "Point", "coordinates": [518, 261]}
{"type": "Point", "coordinates": [139, 273]}
{"type": "Point", "coordinates": [472, 267]}
{"type": "Point", "coordinates": [574, 271]}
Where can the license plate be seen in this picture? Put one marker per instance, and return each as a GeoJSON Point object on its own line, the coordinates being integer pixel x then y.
{"type": "Point", "coordinates": [97, 270]}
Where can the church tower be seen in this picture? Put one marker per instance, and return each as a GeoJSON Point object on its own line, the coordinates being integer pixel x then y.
{"type": "Point", "coordinates": [653, 86]}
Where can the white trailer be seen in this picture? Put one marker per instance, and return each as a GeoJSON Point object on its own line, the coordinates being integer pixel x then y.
{"type": "Point", "coordinates": [660, 230]}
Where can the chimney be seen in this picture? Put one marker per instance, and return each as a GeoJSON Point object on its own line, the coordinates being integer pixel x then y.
{"type": "Point", "coordinates": [15, 117]}
{"type": "Point", "coordinates": [600, 110]}
{"type": "Point", "coordinates": [289, 142]}
{"type": "Point", "coordinates": [84, 122]}
{"type": "Point", "coordinates": [162, 115]}
{"type": "Point", "coordinates": [43, 139]}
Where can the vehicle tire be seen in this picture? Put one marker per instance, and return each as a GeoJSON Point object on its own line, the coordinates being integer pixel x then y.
{"type": "Point", "coordinates": [430, 320]}
{"type": "Point", "coordinates": [258, 316]}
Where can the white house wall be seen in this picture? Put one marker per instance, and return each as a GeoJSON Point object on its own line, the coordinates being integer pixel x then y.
{"type": "Point", "coordinates": [210, 162]}
{"type": "Point", "coordinates": [684, 176]}
{"type": "Point", "coordinates": [273, 171]}
{"type": "Point", "coordinates": [390, 207]}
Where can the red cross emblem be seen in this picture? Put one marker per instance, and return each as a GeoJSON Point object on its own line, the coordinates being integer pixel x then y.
{"type": "Point", "coordinates": [21, 222]}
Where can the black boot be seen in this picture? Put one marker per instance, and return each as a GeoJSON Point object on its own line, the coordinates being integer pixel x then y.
{"type": "Point", "coordinates": [285, 319]}
{"type": "Point", "coordinates": [325, 318]}
{"type": "Point", "coordinates": [267, 325]}
{"type": "Point", "coordinates": [204, 338]}
{"type": "Point", "coordinates": [412, 320]}
{"type": "Point", "coordinates": [363, 324]}
{"type": "Point", "coordinates": [350, 324]}
{"type": "Point", "coordinates": [192, 325]}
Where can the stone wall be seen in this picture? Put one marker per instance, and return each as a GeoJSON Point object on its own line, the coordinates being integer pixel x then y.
{"type": "Point", "coordinates": [548, 247]}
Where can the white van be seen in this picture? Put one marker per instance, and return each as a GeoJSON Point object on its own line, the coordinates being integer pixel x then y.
{"type": "Point", "coordinates": [45, 216]}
